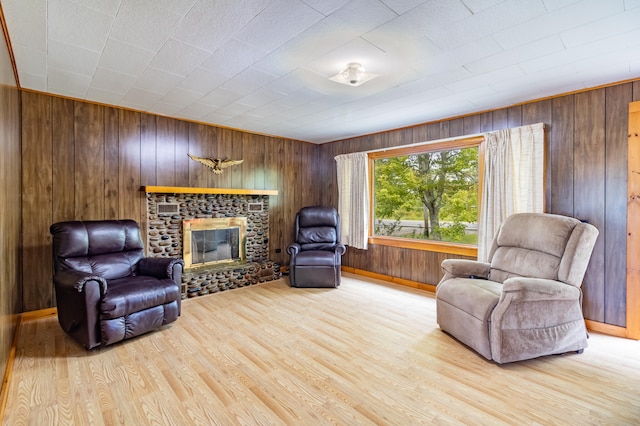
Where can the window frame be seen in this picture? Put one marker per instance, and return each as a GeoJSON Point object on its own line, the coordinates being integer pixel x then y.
{"type": "Point", "coordinates": [439, 145]}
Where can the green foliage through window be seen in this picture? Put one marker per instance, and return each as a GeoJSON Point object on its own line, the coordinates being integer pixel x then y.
{"type": "Point", "coordinates": [430, 196]}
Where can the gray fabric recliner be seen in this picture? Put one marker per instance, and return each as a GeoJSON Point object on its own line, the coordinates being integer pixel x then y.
{"type": "Point", "coordinates": [526, 301]}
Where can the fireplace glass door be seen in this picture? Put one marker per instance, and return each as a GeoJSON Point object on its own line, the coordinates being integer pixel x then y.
{"type": "Point", "coordinates": [210, 241]}
{"type": "Point", "coordinates": [215, 245]}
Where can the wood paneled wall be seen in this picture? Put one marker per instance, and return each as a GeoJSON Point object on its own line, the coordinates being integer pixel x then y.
{"type": "Point", "coordinates": [86, 161]}
{"type": "Point", "coordinates": [10, 284]}
{"type": "Point", "coordinates": [586, 166]}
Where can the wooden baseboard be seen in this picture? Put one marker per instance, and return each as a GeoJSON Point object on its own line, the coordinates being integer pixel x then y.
{"type": "Point", "coordinates": [24, 317]}
{"type": "Point", "coordinates": [41, 313]}
{"type": "Point", "coordinates": [611, 330]}
{"type": "Point", "coordinates": [4, 392]}
{"type": "Point", "coordinates": [389, 278]}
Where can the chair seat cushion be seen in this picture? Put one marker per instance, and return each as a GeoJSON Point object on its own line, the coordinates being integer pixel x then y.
{"type": "Point", "coordinates": [316, 258]}
{"type": "Point", "coordinates": [132, 294]}
{"type": "Point", "coordinates": [476, 297]}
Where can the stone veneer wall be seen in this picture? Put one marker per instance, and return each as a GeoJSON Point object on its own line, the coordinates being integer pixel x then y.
{"type": "Point", "coordinates": [164, 239]}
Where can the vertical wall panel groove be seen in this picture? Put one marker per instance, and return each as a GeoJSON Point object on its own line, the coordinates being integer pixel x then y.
{"type": "Point", "coordinates": [64, 163]}
{"type": "Point", "coordinates": [589, 192]}
{"type": "Point", "coordinates": [148, 149]}
{"type": "Point", "coordinates": [147, 164]}
{"type": "Point", "coordinates": [37, 202]}
{"type": "Point", "coordinates": [636, 91]}
{"type": "Point", "coordinates": [224, 148]}
{"type": "Point", "coordinates": [541, 112]}
{"type": "Point", "coordinates": [500, 119]}
{"type": "Point", "coordinates": [89, 162]}
{"type": "Point", "coordinates": [615, 238]}
{"type": "Point", "coordinates": [181, 160]}
{"type": "Point", "coordinates": [111, 163]}
{"type": "Point", "coordinates": [560, 155]}
{"type": "Point", "coordinates": [251, 156]}
{"type": "Point", "coordinates": [130, 197]}
{"type": "Point", "coordinates": [237, 147]}
{"type": "Point", "coordinates": [166, 152]}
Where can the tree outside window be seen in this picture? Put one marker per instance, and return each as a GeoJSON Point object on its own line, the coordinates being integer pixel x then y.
{"type": "Point", "coordinates": [431, 195]}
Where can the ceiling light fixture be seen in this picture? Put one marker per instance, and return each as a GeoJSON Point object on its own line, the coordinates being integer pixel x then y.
{"type": "Point", "coordinates": [353, 75]}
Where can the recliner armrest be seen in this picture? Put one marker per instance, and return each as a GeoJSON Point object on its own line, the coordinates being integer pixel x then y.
{"type": "Point", "coordinates": [463, 268]}
{"type": "Point", "coordinates": [160, 267]}
{"type": "Point", "coordinates": [293, 249]}
{"type": "Point", "coordinates": [533, 289]}
{"type": "Point", "coordinates": [340, 249]}
{"type": "Point", "coordinates": [77, 279]}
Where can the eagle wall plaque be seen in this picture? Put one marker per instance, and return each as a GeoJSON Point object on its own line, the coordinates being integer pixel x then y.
{"type": "Point", "coordinates": [215, 164]}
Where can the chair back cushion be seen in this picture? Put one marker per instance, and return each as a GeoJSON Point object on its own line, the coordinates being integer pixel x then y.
{"type": "Point", "coordinates": [317, 228]}
{"type": "Point", "coordinates": [108, 248]}
{"type": "Point", "coordinates": [542, 245]}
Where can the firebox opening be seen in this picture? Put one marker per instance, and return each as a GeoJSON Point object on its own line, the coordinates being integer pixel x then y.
{"type": "Point", "coordinates": [214, 241]}
{"type": "Point", "coordinates": [215, 245]}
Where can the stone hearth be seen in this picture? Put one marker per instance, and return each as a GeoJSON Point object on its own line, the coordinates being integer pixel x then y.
{"type": "Point", "coordinates": [167, 210]}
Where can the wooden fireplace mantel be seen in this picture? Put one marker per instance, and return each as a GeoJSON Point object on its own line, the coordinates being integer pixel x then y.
{"type": "Point", "coordinates": [191, 190]}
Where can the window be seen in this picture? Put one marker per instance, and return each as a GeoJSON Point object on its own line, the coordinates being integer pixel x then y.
{"type": "Point", "coordinates": [427, 196]}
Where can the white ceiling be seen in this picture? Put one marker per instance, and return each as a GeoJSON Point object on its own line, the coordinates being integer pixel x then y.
{"type": "Point", "coordinates": [264, 65]}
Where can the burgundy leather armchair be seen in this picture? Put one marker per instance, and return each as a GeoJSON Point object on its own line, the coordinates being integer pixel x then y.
{"type": "Point", "coordinates": [316, 254]}
{"type": "Point", "coordinates": [106, 290]}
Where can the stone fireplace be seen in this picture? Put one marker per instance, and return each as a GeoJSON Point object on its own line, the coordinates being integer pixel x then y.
{"type": "Point", "coordinates": [230, 246]}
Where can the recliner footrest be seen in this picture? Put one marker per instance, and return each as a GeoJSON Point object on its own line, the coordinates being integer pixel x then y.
{"type": "Point", "coordinates": [133, 294]}
{"type": "Point", "coordinates": [315, 258]}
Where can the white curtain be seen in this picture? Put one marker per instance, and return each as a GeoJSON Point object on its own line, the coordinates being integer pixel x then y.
{"type": "Point", "coordinates": [353, 198]}
{"type": "Point", "coordinates": [513, 179]}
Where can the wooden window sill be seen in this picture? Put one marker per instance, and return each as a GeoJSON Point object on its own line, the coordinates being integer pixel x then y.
{"type": "Point", "coordinates": [439, 247]}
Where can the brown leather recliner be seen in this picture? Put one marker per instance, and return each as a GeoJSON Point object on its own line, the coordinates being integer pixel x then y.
{"type": "Point", "coordinates": [106, 290]}
{"type": "Point", "coordinates": [316, 254]}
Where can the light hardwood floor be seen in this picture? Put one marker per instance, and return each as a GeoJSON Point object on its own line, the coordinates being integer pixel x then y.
{"type": "Point", "coordinates": [366, 353]}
